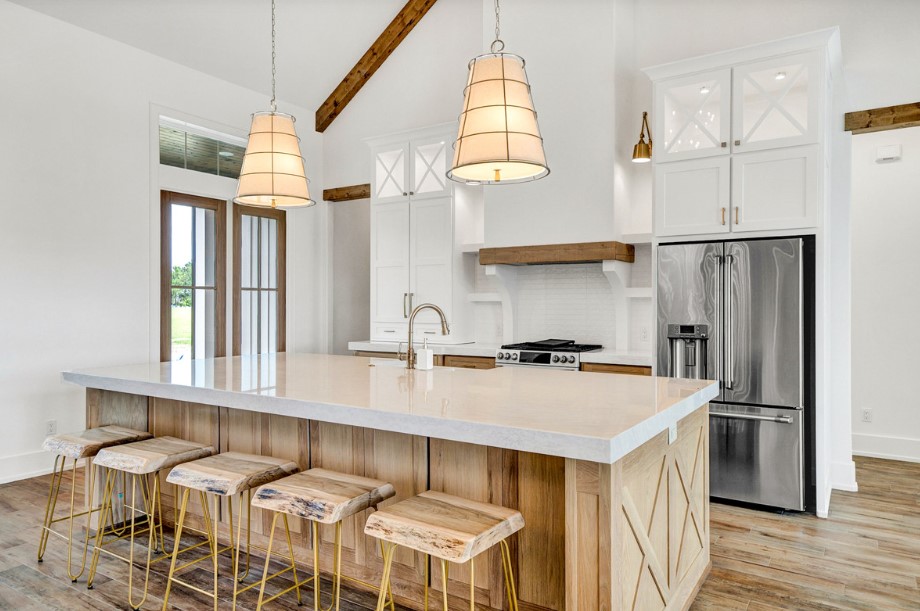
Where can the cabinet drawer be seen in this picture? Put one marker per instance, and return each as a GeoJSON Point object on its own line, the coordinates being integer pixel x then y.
{"type": "Point", "coordinates": [390, 333]}
{"type": "Point", "coordinates": [469, 362]}
{"type": "Point", "coordinates": [636, 370]}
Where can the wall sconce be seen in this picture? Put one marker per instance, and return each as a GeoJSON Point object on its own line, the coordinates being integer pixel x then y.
{"type": "Point", "coordinates": [642, 152]}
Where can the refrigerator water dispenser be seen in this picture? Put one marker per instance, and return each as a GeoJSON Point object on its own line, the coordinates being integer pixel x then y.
{"type": "Point", "coordinates": [688, 351]}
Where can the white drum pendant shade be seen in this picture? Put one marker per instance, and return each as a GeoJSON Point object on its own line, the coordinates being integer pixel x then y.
{"type": "Point", "coordinates": [498, 140]}
{"type": "Point", "coordinates": [273, 173]}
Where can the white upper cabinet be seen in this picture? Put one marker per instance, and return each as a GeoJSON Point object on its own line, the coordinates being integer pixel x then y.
{"type": "Point", "coordinates": [692, 197]}
{"type": "Point", "coordinates": [775, 189]}
{"type": "Point", "coordinates": [776, 102]}
{"type": "Point", "coordinates": [692, 118]}
{"type": "Point", "coordinates": [739, 139]}
{"type": "Point", "coordinates": [430, 162]}
{"type": "Point", "coordinates": [391, 172]}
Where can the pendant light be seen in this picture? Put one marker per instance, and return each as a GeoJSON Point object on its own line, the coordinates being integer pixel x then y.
{"type": "Point", "coordinates": [498, 141]}
{"type": "Point", "coordinates": [642, 152]}
{"type": "Point", "coordinates": [272, 173]}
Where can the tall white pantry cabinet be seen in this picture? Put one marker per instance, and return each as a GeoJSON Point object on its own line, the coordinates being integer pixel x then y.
{"type": "Point", "coordinates": [420, 221]}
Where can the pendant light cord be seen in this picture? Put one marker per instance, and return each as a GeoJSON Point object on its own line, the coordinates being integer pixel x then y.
{"type": "Point", "coordinates": [274, 105]}
{"type": "Point", "coordinates": [498, 45]}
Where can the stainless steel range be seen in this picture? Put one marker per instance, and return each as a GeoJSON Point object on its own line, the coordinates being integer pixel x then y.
{"type": "Point", "coordinates": [554, 353]}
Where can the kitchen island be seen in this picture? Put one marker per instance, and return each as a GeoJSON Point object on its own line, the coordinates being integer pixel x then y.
{"type": "Point", "coordinates": [609, 471]}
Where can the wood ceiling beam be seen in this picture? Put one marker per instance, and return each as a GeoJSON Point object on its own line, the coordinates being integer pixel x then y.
{"type": "Point", "coordinates": [383, 47]}
{"type": "Point", "coordinates": [881, 119]}
{"type": "Point", "coordinates": [346, 194]}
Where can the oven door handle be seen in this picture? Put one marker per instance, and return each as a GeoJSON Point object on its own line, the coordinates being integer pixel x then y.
{"type": "Point", "coordinates": [777, 419]}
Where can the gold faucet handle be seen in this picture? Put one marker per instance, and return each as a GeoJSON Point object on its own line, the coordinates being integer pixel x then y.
{"type": "Point", "coordinates": [402, 356]}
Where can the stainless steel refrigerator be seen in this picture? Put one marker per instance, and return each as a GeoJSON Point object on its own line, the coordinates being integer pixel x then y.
{"type": "Point", "coordinates": [736, 312]}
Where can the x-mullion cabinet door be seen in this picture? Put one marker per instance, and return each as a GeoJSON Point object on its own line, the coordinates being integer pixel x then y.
{"type": "Point", "coordinates": [776, 103]}
{"type": "Point", "coordinates": [429, 160]}
{"type": "Point", "coordinates": [692, 116]}
{"type": "Point", "coordinates": [391, 173]}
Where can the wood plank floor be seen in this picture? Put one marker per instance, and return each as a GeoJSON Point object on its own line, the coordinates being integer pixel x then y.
{"type": "Point", "coordinates": [865, 556]}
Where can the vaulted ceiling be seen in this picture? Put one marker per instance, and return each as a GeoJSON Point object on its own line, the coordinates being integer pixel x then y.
{"type": "Point", "coordinates": [318, 41]}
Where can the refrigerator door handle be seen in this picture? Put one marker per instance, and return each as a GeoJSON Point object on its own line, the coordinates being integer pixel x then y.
{"type": "Point", "coordinates": [777, 419]}
{"type": "Point", "coordinates": [719, 298]}
{"type": "Point", "coordinates": [729, 365]}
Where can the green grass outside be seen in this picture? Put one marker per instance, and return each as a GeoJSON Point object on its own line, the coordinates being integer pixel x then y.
{"type": "Point", "coordinates": [182, 325]}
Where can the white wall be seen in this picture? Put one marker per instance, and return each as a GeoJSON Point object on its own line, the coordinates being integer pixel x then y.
{"type": "Point", "coordinates": [569, 50]}
{"type": "Point", "coordinates": [351, 289]}
{"type": "Point", "coordinates": [78, 258]}
{"type": "Point", "coordinates": [886, 291]}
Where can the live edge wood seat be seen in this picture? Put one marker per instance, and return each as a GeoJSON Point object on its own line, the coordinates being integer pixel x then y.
{"type": "Point", "coordinates": [323, 497]}
{"type": "Point", "coordinates": [230, 472]}
{"type": "Point", "coordinates": [450, 528]}
{"type": "Point", "coordinates": [77, 446]}
{"type": "Point", "coordinates": [136, 461]}
{"type": "Point", "coordinates": [88, 443]}
{"type": "Point", "coordinates": [151, 455]}
{"type": "Point", "coordinates": [225, 475]}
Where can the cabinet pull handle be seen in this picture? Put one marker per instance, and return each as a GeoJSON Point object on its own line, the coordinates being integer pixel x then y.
{"type": "Point", "coordinates": [737, 221]}
{"type": "Point", "coordinates": [405, 297]}
{"type": "Point", "coordinates": [723, 215]}
{"type": "Point", "coordinates": [411, 296]}
{"type": "Point", "coordinates": [389, 330]}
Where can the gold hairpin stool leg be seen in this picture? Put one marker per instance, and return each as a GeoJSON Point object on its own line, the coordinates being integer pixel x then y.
{"type": "Point", "coordinates": [57, 476]}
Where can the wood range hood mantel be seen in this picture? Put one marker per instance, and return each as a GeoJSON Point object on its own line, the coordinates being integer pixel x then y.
{"type": "Point", "coordinates": [550, 254]}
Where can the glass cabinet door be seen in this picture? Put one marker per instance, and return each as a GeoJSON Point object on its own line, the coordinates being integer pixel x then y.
{"type": "Point", "coordinates": [776, 103]}
{"type": "Point", "coordinates": [391, 172]}
{"type": "Point", "coordinates": [428, 169]}
{"type": "Point", "coordinates": [692, 116]}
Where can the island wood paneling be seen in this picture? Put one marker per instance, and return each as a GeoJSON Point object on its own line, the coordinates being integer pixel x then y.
{"type": "Point", "coordinates": [632, 535]}
{"type": "Point", "coordinates": [582, 252]}
{"type": "Point", "coordinates": [469, 362]}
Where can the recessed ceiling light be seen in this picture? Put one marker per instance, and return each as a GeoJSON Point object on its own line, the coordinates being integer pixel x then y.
{"type": "Point", "coordinates": [780, 76]}
{"type": "Point", "coordinates": [226, 154]}
{"type": "Point", "coordinates": [704, 89]}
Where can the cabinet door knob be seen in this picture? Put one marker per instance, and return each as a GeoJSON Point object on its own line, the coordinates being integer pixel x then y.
{"type": "Point", "coordinates": [411, 192]}
{"type": "Point", "coordinates": [404, 193]}
{"type": "Point", "coordinates": [737, 142]}
{"type": "Point", "coordinates": [724, 144]}
{"type": "Point", "coordinates": [723, 215]}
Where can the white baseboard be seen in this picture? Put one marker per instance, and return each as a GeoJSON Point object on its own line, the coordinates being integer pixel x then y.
{"type": "Point", "coordinates": [891, 448]}
{"type": "Point", "coordinates": [23, 466]}
{"type": "Point", "coordinates": [843, 476]}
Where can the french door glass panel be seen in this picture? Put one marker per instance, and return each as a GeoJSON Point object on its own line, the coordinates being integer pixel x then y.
{"type": "Point", "coordinates": [259, 285]}
{"type": "Point", "coordinates": [775, 103]}
{"type": "Point", "coordinates": [693, 116]}
{"type": "Point", "coordinates": [193, 258]}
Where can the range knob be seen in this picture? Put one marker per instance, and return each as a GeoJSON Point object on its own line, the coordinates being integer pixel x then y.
{"type": "Point", "coordinates": [514, 356]}
{"type": "Point", "coordinates": [565, 359]}
{"type": "Point", "coordinates": [507, 355]}
{"type": "Point", "coordinates": [499, 356]}
{"type": "Point", "coordinates": [555, 358]}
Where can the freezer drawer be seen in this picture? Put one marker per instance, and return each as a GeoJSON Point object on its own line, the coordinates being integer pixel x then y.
{"type": "Point", "coordinates": [756, 455]}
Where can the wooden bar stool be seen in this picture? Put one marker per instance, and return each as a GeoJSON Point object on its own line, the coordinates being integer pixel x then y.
{"type": "Point", "coordinates": [323, 497]}
{"type": "Point", "coordinates": [77, 446]}
{"type": "Point", "coordinates": [450, 528]}
{"type": "Point", "coordinates": [139, 460]}
{"type": "Point", "coordinates": [224, 475]}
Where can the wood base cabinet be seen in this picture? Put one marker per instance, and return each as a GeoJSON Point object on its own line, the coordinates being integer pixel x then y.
{"type": "Point", "coordinates": [597, 537]}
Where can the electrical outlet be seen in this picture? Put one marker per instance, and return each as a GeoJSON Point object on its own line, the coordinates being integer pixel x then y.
{"type": "Point", "coordinates": [51, 427]}
{"type": "Point", "coordinates": [867, 414]}
{"type": "Point", "coordinates": [643, 333]}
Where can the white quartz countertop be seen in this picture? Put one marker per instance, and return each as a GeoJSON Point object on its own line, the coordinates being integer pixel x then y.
{"type": "Point", "coordinates": [611, 357]}
{"type": "Point", "coordinates": [599, 417]}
